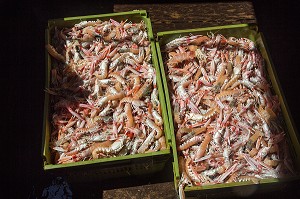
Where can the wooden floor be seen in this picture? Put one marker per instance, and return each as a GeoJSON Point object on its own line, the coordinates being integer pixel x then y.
{"type": "Point", "coordinates": [171, 16]}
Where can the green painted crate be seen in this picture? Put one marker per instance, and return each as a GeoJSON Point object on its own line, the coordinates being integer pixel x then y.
{"type": "Point", "coordinates": [240, 30]}
{"type": "Point", "coordinates": [104, 168]}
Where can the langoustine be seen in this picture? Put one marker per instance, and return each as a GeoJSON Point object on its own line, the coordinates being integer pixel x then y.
{"type": "Point", "coordinates": [219, 85]}
{"type": "Point", "coordinates": [103, 92]}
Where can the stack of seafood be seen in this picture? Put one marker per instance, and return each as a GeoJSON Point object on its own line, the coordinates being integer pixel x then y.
{"type": "Point", "coordinates": [227, 119]}
{"type": "Point", "coordinates": [103, 93]}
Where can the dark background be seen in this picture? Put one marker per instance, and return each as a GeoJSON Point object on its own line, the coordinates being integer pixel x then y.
{"type": "Point", "coordinates": [23, 77]}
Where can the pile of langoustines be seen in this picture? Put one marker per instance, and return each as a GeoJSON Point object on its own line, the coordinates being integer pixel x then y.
{"type": "Point", "coordinates": [227, 119]}
{"type": "Point", "coordinates": [103, 90]}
